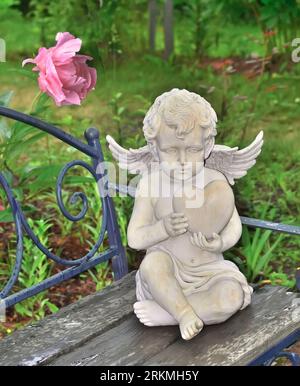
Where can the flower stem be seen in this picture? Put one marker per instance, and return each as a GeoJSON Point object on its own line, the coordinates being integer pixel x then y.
{"type": "Point", "coordinates": [34, 102]}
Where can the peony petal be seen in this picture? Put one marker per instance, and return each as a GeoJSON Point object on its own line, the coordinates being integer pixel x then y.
{"type": "Point", "coordinates": [42, 82]}
{"type": "Point", "coordinates": [72, 98]}
{"type": "Point", "coordinates": [86, 72]}
{"type": "Point", "coordinates": [82, 58]}
{"type": "Point", "coordinates": [67, 74]}
{"type": "Point", "coordinates": [82, 70]}
{"type": "Point", "coordinates": [62, 37]}
{"type": "Point", "coordinates": [71, 46]}
{"type": "Point", "coordinates": [65, 50]}
{"type": "Point", "coordinates": [28, 61]}
{"type": "Point", "coordinates": [93, 73]}
{"type": "Point", "coordinates": [41, 58]}
{"type": "Point", "coordinates": [54, 85]}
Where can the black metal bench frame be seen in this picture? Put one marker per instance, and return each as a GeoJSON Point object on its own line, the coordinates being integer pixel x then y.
{"type": "Point", "coordinates": [115, 251]}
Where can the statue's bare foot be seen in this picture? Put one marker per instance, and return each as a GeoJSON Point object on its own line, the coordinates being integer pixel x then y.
{"type": "Point", "coordinates": [190, 325]}
{"type": "Point", "coordinates": [152, 314]}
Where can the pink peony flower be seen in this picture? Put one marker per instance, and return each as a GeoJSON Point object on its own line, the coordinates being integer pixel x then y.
{"type": "Point", "coordinates": [63, 74]}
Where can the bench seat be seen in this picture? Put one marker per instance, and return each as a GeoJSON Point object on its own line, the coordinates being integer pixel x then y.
{"type": "Point", "coordinates": [101, 329]}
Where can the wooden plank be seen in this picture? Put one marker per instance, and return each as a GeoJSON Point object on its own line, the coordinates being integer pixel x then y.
{"type": "Point", "coordinates": [101, 330]}
{"type": "Point", "coordinates": [71, 327]}
{"type": "Point", "coordinates": [242, 338]}
{"type": "Point", "coordinates": [130, 343]}
{"type": "Point", "coordinates": [238, 341]}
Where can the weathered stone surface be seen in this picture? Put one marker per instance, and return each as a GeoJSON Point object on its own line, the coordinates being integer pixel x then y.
{"type": "Point", "coordinates": [71, 327]}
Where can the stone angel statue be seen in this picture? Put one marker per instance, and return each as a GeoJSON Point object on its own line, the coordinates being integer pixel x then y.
{"type": "Point", "coordinates": [184, 215]}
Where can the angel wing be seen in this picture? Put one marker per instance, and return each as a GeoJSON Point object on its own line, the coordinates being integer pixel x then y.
{"type": "Point", "coordinates": [136, 161]}
{"type": "Point", "coordinates": [232, 162]}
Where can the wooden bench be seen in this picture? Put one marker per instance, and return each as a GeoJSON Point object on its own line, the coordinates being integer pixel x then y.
{"type": "Point", "coordinates": [101, 329]}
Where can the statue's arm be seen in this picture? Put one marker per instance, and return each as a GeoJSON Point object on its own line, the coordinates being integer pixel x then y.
{"type": "Point", "coordinates": [232, 232]}
{"type": "Point", "coordinates": [143, 231]}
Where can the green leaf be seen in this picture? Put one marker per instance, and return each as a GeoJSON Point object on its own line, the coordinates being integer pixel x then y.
{"type": "Point", "coordinates": [36, 262]}
{"type": "Point", "coordinates": [118, 95]}
{"type": "Point", "coordinates": [20, 130]}
{"type": "Point", "coordinates": [6, 98]}
{"type": "Point", "coordinates": [67, 120]}
{"type": "Point", "coordinates": [259, 247]}
{"type": "Point", "coordinates": [23, 310]}
{"type": "Point", "coordinates": [41, 104]}
{"type": "Point", "coordinates": [6, 215]}
{"type": "Point", "coordinates": [5, 131]}
{"type": "Point", "coordinates": [75, 180]}
{"type": "Point", "coordinates": [17, 148]}
{"type": "Point", "coordinates": [22, 71]}
{"type": "Point", "coordinates": [52, 307]}
{"type": "Point", "coordinates": [265, 259]}
{"type": "Point", "coordinates": [121, 110]}
{"type": "Point", "coordinates": [42, 177]}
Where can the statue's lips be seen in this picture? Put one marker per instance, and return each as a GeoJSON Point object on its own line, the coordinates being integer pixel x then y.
{"type": "Point", "coordinates": [182, 173]}
{"type": "Point", "coordinates": [209, 210]}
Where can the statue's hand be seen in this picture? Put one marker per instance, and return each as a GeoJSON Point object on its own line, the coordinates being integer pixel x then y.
{"type": "Point", "coordinates": [175, 224]}
{"type": "Point", "coordinates": [213, 245]}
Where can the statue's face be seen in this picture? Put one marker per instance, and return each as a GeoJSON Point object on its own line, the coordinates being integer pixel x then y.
{"type": "Point", "coordinates": [180, 158]}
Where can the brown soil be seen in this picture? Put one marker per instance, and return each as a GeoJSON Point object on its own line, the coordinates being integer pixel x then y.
{"type": "Point", "coordinates": [249, 67]}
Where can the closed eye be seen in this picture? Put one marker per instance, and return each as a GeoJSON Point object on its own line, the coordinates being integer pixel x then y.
{"type": "Point", "coordinates": [171, 150]}
{"type": "Point", "coordinates": [194, 149]}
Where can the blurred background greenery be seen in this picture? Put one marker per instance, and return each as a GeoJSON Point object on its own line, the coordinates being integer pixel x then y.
{"type": "Point", "coordinates": [235, 53]}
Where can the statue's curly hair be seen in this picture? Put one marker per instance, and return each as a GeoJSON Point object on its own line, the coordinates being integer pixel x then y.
{"type": "Point", "coordinates": [182, 110]}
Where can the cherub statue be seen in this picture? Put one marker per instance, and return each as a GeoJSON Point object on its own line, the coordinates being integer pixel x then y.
{"type": "Point", "coordinates": [183, 279]}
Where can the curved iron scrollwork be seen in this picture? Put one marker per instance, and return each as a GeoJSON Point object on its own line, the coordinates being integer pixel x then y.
{"type": "Point", "coordinates": [80, 216]}
{"type": "Point", "coordinates": [275, 352]}
{"type": "Point", "coordinates": [19, 250]}
{"type": "Point", "coordinates": [22, 223]}
{"type": "Point", "coordinates": [291, 356]}
{"type": "Point", "coordinates": [115, 250]}
{"type": "Point", "coordinates": [75, 196]}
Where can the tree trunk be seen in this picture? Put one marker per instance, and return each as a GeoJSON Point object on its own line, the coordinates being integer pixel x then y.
{"type": "Point", "coordinates": [152, 6]}
{"type": "Point", "coordinates": [168, 28]}
{"type": "Point", "coordinates": [24, 6]}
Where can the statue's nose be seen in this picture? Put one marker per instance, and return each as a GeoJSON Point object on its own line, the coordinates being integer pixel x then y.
{"type": "Point", "coordinates": [182, 157]}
